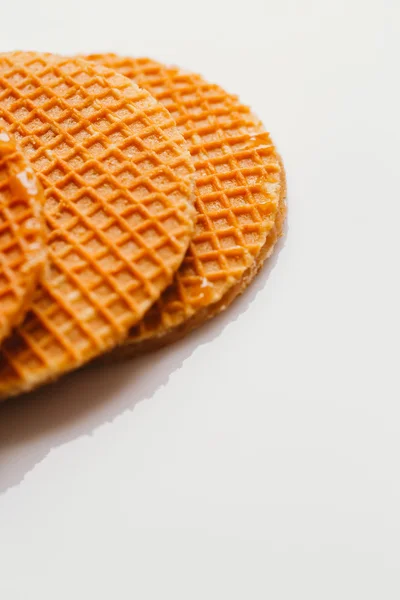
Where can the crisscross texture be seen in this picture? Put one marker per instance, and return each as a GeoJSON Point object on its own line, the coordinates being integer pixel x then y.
{"type": "Point", "coordinates": [240, 196]}
{"type": "Point", "coordinates": [22, 234]}
{"type": "Point", "coordinates": [118, 187]}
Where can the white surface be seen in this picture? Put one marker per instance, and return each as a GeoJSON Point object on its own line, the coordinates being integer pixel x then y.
{"type": "Point", "coordinates": [259, 457]}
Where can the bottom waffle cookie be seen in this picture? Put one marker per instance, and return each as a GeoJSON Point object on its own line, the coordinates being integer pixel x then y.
{"type": "Point", "coordinates": [240, 200]}
{"type": "Point", "coordinates": [22, 234]}
{"type": "Point", "coordinates": [133, 347]}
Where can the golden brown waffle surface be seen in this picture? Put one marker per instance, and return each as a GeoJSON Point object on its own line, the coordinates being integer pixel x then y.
{"type": "Point", "coordinates": [118, 188]}
{"type": "Point", "coordinates": [22, 234]}
{"type": "Point", "coordinates": [240, 197]}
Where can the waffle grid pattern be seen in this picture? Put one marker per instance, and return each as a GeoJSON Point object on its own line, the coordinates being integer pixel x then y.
{"type": "Point", "coordinates": [118, 187]}
{"type": "Point", "coordinates": [22, 233]}
{"type": "Point", "coordinates": [238, 182]}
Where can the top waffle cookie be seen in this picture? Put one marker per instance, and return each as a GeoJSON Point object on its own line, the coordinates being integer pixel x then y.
{"type": "Point", "coordinates": [22, 234]}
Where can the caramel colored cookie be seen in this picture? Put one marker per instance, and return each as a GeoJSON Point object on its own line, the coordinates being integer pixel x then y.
{"type": "Point", "coordinates": [22, 234]}
{"type": "Point", "coordinates": [119, 192]}
{"type": "Point", "coordinates": [240, 199]}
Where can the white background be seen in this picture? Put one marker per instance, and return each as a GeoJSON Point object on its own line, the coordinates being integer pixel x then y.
{"type": "Point", "coordinates": [259, 457]}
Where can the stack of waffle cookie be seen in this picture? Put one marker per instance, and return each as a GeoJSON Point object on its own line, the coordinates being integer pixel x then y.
{"type": "Point", "coordinates": [136, 202]}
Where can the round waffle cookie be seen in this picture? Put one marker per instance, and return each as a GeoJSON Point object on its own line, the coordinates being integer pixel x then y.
{"type": "Point", "coordinates": [240, 199]}
{"type": "Point", "coordinates": [118, 204]}
{"type": "Point", "coordinates": [22, 234]}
